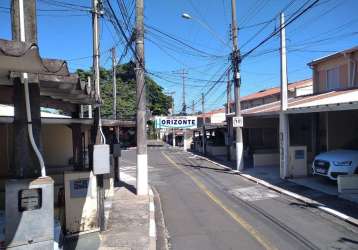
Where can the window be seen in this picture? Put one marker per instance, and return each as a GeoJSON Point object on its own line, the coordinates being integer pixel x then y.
{"type": "Point", "coordinates": [333, 78]}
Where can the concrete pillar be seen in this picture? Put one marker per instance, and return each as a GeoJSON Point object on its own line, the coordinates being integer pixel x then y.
{"type": "Point", "coordinates": [30, 20]}
{"type": "Point", "coordinates": [25, 163]}
{"type": "Point", "coordinates": [284, 145]}
{"type": "Point", "coordinates": [327, 131]}
{"type": "Point", "coordinates": [173, 138]}
{"type": "Point", "coordinates": [314, 133]}
{"type": "Point", "coordinates": [77, 146]}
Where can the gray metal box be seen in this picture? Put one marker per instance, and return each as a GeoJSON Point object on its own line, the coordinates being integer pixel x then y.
{"type": "Point", "coordinates": [101, 154]}
{"type": "Point", "coordinates": [117, 150]}
{"type": "Point", "coordinates": [29, 210]}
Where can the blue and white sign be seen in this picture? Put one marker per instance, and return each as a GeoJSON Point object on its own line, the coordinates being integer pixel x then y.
{"type": "Point", "coordinates": [187, 122]}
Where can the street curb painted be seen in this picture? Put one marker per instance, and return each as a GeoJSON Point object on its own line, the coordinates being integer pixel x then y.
{"type": "Point", "coordinates": [298, 197]}
{"type": "Point", "coordinates": [162, 232]}
{"type": "Point", "coordinates": [152, 226]}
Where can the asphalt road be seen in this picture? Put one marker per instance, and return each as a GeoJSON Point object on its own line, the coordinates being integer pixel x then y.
{"type": "Point", "coordinates": [206, 207]}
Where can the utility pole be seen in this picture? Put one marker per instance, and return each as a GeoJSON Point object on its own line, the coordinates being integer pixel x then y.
{"type": "Point", "coordinates": [236, 60]}
{"type": "Point", "coordinates": [228, 104]}
{"type": "Point", "coordinates": [184, 104]}
{"type": "Point", "coordinates": [284, 123]}
{"type": "Point", "coordinates": [114, 79]}
{"type": "Point", "coordinates": [193, 107]}
{"type": "Point", "coordinates": [184, 111]}
{"type": "Point", "coordinates": [172, 113]}
{"type": "Point", "coordinates": [203, 138]}
{"type": "Point", "coordinates": [99, 138]}
{"type": "Point", "coordinates": [142, 158]}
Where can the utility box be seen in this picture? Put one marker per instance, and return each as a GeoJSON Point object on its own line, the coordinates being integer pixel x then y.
{"type": "Point", "coordinates": [117, 150]}
{"type": "Point", "coordinates": [297, 161]}
{"type": "Point", "coordinates": [29, 214]}
{"type": "Point", "coordinates": [80, 202]}
{"type": "Point", "coordinates": [101, 162]}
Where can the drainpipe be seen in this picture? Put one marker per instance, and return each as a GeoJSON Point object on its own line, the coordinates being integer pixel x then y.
{"type": "Point", "coordinates": [25, 80]}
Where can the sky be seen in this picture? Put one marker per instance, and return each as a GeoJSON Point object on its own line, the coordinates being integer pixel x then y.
{"type": "Point", "coordinates": [204, 41]}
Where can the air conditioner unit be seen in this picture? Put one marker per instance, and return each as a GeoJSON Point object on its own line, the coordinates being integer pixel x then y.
{"type": "Point", "coordinates": [297, 161]}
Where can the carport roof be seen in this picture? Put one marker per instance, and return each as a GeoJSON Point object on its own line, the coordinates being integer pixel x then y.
{"type": "Point", "coordinates": [57, 84]}
{"type": "Point", "coordinates": [212, 126]}
{"type": "Point", "coordinates": [329, 101]}
{"type": "Point", "coordinates": [19, 56]}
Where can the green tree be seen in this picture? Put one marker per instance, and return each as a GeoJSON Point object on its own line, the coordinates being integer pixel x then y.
{"type": "Point", "coordinates": [157, 102]}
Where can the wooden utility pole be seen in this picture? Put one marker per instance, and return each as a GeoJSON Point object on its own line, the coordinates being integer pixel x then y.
{"type": "Point", "coordinates": [284, 123]}
{"type": "Point", "coordinates": [97, 112]}
{"type": "Point", "coordinates": [142, 158]}
{"type": "Point", "coordinates": [114, 79]}
{"type": "Point", "coordinates": [236, 60]}
{"type": "Point", "coordinates": [203, 138]}
{"type": "Point", "coordinates": [193, 107]}
{"type": "Point", "coordinates": [228, 104]}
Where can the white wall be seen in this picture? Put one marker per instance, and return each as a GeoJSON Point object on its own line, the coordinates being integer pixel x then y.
{"type": "Point", "coordinates": [218, 117]}
{"type": "Point", "coordinates": [57, 144]}
{"type": "Point", "coordinates": [304, 91]}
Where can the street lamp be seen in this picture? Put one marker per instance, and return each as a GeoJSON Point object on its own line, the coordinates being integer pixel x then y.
{"type": "Point", "coordinates": [186, 16]}
{"type": "Point", "coordinates": [189, 17]}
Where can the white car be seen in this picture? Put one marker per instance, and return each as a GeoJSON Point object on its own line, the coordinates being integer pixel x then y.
{"type": "Point", "coordinates": [336, 162]}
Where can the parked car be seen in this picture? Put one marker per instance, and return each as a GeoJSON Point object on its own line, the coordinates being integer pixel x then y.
{"type": "Point", "coordinates": [336, 162]}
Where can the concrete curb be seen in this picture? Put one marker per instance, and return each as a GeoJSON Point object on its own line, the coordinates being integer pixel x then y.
{"type": "Point", "coordinates": [162, 233]}
{"type": "Point", "coordinates": [298, 197]}
{"type": "Point", "coordinates": [152, 226]}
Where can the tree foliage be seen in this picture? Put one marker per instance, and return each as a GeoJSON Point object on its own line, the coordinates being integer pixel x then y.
{"type": "Point", "coordinates": [157, 102]}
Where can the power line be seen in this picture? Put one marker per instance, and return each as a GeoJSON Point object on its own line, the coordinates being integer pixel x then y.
{"type": "Point", "coordinates": [277, 31]}
{"type": "Point", "coordinates": [67, 5]}
{"type": "Point", "coordinates": [181, 42]}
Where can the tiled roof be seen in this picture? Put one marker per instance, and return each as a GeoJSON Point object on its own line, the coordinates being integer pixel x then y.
{"type": "Point", "coordinates": [212, 112]}
{"type": "Point", "coordinates": [353, 49]}
{"type": "Point", "coordinates": [331, 100]}
{"type": "Point", "coordinates": [276, 90]}
{"type": "Point", "coordinates": [55, 80]}
{"type": "Point", "coordinates": [264, 93]}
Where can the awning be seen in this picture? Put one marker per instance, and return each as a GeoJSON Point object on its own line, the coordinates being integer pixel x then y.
{"type": "Point", "coordinates": [329, 101]}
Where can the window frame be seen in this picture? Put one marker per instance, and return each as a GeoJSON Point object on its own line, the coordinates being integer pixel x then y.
{"type": "Point", "coordinates": [337, 84]}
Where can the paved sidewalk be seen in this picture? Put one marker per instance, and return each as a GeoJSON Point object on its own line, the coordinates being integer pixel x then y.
{"type": "Point", "coordinates": [128, 226]}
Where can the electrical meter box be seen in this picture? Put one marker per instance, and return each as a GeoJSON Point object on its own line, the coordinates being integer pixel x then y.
{"type": "Point", "coordinates": [29, 209]}
{"type": "Point", "coordinates": [80, 202]}
{"type": "Point", "coordinates": [101, 162]}
{"type": "Point", "coordinates": [297, 163]}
